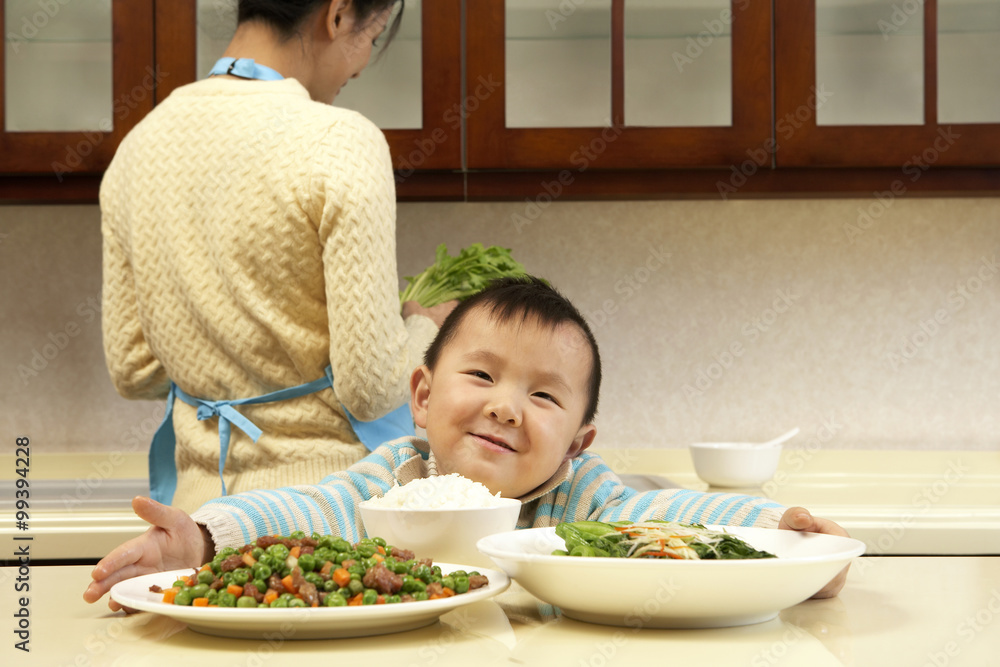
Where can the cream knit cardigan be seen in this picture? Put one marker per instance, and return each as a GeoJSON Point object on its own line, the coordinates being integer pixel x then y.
{"type": "Point", "coordinates": [249, 241]}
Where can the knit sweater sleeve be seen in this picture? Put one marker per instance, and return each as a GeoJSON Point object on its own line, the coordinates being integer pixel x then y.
{"type": "Point", "coordinates": [328, 508]}
{"type": "Point", "coordinates": [135, 371]}
{"type": "Point", "coordinates": [372, 350]}
{"type": "Point", "coordinates": [594, 492]}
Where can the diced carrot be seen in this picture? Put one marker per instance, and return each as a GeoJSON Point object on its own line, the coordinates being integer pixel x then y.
{"type": "Point", "coordinates": [354, 601]}
{"type": "Point", "coordinates": [378, 558]}
{"type": "Point", "coordinates": [270, 596]}
{"type": "Point", "coordinates": [380, 600]}
{"type": "Point", "coordinates": [206, 566]}
{"type": "Point", "coordinates": [447, 592]}
{"type": "Point", "coordinates": [436, 596]}
{"type": "Point", "coordinates": [381, 550]}
{"type": "Point", "coordinates": [169, 595]}
{"type": "Point", "coordinates": [191, 581]}
{"type": "Point", "coordinates": [327, 566]}
{"type": "Point", "coordinates": [341, 577]}
{"type": "Point", "coordinates": [289, 586]}
{"type": "Point", "coordinates": [347, 563]}
{"type": "Point", "coordinates": [248, 559]}
{"type": "Point", "coordinates": [235, 589]}
{"type": "Point", "coordinates": [199, 602]}
{"type": "Point", "coordinates": [295, 551]}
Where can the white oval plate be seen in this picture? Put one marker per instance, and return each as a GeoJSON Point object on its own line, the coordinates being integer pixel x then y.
{"type": "Point", "coordinates": [674, 593]}
{"type": "Point", "coordinates": [301, 622]}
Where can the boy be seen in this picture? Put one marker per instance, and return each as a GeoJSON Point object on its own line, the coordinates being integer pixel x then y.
{"type": "Point", "coordinates": [507, 396]}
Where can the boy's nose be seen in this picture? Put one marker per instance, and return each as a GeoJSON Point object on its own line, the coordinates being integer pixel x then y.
{"type": "Point", "coordinates": [504, 412]}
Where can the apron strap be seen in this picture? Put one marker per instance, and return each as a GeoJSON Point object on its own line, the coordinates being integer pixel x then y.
{"type": "Point", "coordinates": [162, 463]}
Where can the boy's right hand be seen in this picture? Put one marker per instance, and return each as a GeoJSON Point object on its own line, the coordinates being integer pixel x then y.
{"type": "Point", "coordinates": [173, 542]}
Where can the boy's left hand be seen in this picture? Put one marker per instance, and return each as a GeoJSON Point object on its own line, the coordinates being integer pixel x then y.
{"type": "Point", "coordinates": [799, 518]}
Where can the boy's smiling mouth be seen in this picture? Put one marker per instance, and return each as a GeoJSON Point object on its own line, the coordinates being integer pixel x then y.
{"type": "Point", "coordinates": [493, 443]}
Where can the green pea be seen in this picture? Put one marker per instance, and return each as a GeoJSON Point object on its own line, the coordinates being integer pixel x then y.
{"type": "Point", "coordinates": [206, 577]}
{"type": "Point", "coordinates": [184, 598]}
{"type": "Point", "coordinates": [420, 595]}
{"type": "Point", "coordinates": [341, 557]}
{"type": "Point", "coordinates": [296, 602]}
{"type": "Point", "coordinates": [392, 599]}
{"type": "Point", "coordinates": [330, 586]}
{"type": "Point", "coordinates": [411, 585]}
{"type": "Point", "coordinates": [448, 582]}
{"type": "Point", "coordinates": [380, 542]}
{"type": "Point", "coordinates": [226, 552]}
{"type": "Point", "coordinates": [227, 577]}
{"type": "Point", "coordinates": [260, 570]}
{"type": "Point", "coordinates": [287, 596]}
{"type": "Point", "coordinates": [212, 595]}
{"type": "Point", "coordinates": [260, 584]}
{"type": "Point", "coordinates": [313, 579]}
{"type": "Point", "coordinates": [262, 604]}
{"type": "Point", "coordinates": [246, 601]}
{"type": "Point", "coordinates": [370, 596]}
{"type": "Point", "coordinates": [256, 552]}
{"type": "Point", "coordinates": [367, 550]}
{"type": "Point", "coordinates": [199, 591]}
{"type": "Point", "coordinates": [180, 583]}
{"type": "Point", "coordinates": [461, 584]}
{"type": "Point", "coordinates": [340, 544]}
{"type": "Point", "coordinates": [280, 602]}
{"type": "Point", "coordinates": [334, 600]}
{"type": "Point", "coordinates": [278, 551]}
{"type": "Point", "coordinates": [422, 572]}
{"type": "Point", "coordinates": [297, 535]}
{"type": "Point", "coordinates": [355, 587]}
{"type": "Point", "coordinates": [227, 599]}
{"type": "Point", "coordinates": [241, 576]}
{"type": "Point", "coordinates": [307, 562]}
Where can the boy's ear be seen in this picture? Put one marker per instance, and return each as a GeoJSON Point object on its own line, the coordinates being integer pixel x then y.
{"type": "Point", "coordinates": [584, 437]}
{"type": "Point", "coordinates": [420, 392]}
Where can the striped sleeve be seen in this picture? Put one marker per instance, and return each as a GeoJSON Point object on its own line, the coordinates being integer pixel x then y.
{"type": "Point", "coordinates": [596, 493]}
{"type": "Point", "coordinates": [330, 507]}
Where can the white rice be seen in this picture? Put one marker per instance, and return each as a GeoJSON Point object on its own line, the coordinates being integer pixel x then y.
{"type": "Point", "coordinates": [441, 492]}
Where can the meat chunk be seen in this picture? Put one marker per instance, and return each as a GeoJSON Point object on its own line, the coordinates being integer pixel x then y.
{"type": "Point", "coordinates": [401, 554]}
{"type": "Point", "coordinates": [230, 563]}
{"type": "Point", "coordinates": [382, 579]}
{"type": "Point", "coordinates": [477, 581]}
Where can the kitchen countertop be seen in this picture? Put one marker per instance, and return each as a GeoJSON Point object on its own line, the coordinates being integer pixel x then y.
{"type": "Point", "coordinates": [897, 502]}
{"type": "Point", "coordinates": [893, 611]}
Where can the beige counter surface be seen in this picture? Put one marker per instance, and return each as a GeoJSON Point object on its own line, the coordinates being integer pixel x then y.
{"type": "Point", "coordinates": [899, 611]}
{"type": "Point", "coordinates": [897, 502]}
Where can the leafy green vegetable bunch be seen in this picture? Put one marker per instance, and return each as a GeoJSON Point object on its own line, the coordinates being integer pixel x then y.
{"type": "Point", "coordinates": [462, 276]}
{"type": "Point", "coordinates": [651, 539]}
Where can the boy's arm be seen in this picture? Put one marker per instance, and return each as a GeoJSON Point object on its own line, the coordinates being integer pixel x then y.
{"type": "Point", "coordinates": [597, 493]}
{"type": "Point", "coordinates": [174, 541]}
{"type": "Point", "coordinates": [328, 508]}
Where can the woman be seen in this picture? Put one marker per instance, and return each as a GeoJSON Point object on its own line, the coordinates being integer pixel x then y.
{"type": "Point", "coordinates": [249, 247]}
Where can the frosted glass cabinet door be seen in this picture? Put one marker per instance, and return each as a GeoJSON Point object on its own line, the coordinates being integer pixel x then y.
{"type": "Point", "coordinates": [389, 90]}
{"type": "Point", "coordinates": [75, 77]}
{"type": "Point", "coordinates": [58, 73]}
{"type": "Point", "coordinates": [968, 61]}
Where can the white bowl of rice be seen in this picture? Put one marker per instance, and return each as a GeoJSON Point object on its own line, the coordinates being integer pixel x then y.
{"type": "Point", "coordinates": [440, 517]}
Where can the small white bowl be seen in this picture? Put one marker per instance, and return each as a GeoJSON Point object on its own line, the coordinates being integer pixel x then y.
{"type": "Point", "coordinates": [446, 535]}
{"type": "Point", "coordinates": [734, 464]}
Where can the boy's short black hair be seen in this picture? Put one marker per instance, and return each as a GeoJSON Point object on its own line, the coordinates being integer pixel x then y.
{"type": "Point", "coordinates": [524, 298]}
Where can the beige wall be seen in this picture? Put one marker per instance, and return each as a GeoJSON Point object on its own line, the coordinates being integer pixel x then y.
{"type": "Point", "coordinates": [716, 320]}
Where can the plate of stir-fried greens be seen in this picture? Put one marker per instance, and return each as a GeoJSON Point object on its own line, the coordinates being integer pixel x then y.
{"type": "Point", "coordinates": [659, 574]}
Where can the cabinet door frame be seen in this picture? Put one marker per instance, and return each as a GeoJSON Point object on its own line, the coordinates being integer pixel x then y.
{"type": "Point", "coordinates": [133, 87]}
{"type": "Point", "coordinates": [436, 145]}
{"type": "Point", "coordinates": [492, 145]}
{"type": "Point", "coordinates": [921, 146]}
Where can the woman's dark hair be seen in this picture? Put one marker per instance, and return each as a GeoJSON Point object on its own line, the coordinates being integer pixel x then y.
{"type": "Point", "coordinates": [286, 16]}
{"type": "Point", "coordinates": [525, 298]}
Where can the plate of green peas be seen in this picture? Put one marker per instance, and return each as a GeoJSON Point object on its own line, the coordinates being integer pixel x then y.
{"type": "Point", "coordinates": [310, 587]}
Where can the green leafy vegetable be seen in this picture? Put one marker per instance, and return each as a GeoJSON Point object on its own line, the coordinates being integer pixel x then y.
{"type": "Point", "coordinates": [651, 539]}
{"type": "Point", "coordinates": [460, 277]}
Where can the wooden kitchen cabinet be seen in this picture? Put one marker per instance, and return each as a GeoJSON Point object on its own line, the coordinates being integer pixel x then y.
{"type": "Point", "coordinates": [911, 85]}
{"type": "Point", "coordinates": [74, 79]}
{"type": "Point", "coordinates": [629, 127]}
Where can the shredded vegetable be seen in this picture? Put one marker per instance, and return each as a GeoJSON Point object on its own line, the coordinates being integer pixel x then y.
{"type": "Point", "coordinates": [651, 539]}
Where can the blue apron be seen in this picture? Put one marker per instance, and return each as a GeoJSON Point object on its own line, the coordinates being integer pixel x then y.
{"type": "Point", "coordinates": [162, 464]}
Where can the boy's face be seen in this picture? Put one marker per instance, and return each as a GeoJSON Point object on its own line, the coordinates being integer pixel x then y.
{"type": "Point", "coordinates": [504, 405]}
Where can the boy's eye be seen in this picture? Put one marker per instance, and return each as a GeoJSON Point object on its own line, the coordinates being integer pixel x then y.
{"type": "Point", "coordinates": [483, 375]}
{"type": "Point", "coordinates": [547, 397]}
